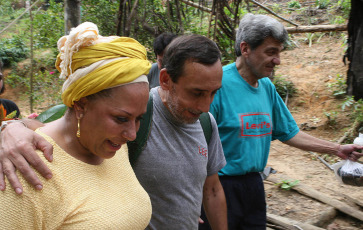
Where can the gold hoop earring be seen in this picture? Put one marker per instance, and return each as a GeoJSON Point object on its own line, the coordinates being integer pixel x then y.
{"type": "Point", "coordinates": [79, 130]}
{"type": "Point", "coordinates": [78, 126]}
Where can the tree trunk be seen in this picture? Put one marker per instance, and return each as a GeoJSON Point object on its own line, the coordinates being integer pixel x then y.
{"type": "Point", "coordinates": [355, 50]}
{"type": "Point", "coordinates": [72, 14]}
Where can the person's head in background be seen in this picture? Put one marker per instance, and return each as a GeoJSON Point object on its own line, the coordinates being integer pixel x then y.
{"type": "Point", "coordinates": [191, 75]}
{"type": "Point", "coordinates": [160, 43]}
{"type": "Point", "coordinates": [259, 42]}
{"type": "Point", "coordinates": [2, 84]}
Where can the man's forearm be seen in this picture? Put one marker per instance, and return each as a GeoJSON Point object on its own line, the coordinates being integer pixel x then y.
{"type": "Point", "coordinates": [214, 202]}
{"type": "Point", "coordinates": [216, 210]}
{"type": "Point", "coordinates": [307, 142]}
{"type": "Point", "coordinates": [32, 123]}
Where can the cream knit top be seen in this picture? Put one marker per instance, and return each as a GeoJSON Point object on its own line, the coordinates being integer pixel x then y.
{"type": "Point", "coordinates": [79, 196]}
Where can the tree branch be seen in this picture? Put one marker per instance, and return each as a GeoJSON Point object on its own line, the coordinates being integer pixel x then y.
{"type": "Point", "coordinates": [202, 8]}
{"type": "Point", "coordinates": [273, 13]}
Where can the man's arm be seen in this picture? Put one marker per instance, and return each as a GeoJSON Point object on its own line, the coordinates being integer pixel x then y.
{"type": "Point", "coordinates": [214, 203]}
{"type": "Point", "coordinates": [17, 151]}
{"type": "Point", "coordinates": [307, 142]}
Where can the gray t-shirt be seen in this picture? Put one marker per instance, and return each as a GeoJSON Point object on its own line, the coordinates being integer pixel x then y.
{"type": "Point", "coordinates": [173, 167]}
{"type": "Point", "coordinates": [153, 76]}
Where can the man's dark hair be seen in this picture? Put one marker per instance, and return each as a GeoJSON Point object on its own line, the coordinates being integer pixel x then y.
{"type": "Point", "coordinates": [162, 41]}
{"type": "Point", "coordinates": [194, 48]}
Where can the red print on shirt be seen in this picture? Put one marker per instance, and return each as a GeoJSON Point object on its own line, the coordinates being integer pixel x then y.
{"type": "Point", "coordinates": [255, 125]}
{"type": "Point", "coordinates": [203, 152]}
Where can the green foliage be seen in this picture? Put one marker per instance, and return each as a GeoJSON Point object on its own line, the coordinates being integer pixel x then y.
{"type": "Point", "coordinates": [48, 26]}
{"type": "Point", "coordinates": [46, 84]}
{"type": "Point", "coordinates": [356, 108]}
{"type": "Point", "coordinates": [101, 12]}
{"type": "Point", "coordinates": [338, 86]}
{"type": "Point", "coordinates": [322, 4]}
{"type": "Point", "coordinates": [287, 184]}
{"type": "Point", "coordinates": [5, 9]}
{"type": "Point", "coordinates": [13, 50]}
{"type": "Point", "coordinates": [313, 37]}
{"type": "Point", "coordinates": [332, 117]}
{"type": "Point", "coordinates": [284, 86]}
{"type": "Point", "coordinates": [294, 4]}
{"type": "Point", "coordinates": [344, 6]}
{"type": "Point", "coordinates": [52, 113]}
{"type": "Point", "coordinates": [338, 20]}
{"type": "Point", "coordinates": [348, 103]}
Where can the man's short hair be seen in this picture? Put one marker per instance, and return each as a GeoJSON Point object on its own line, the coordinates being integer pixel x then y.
{"type": "Point", "coordinates": [162, 41]}
{"type": "Point", "coordinates": [254, 29]}
{"type": "Point", "coordinates": [194, 48]}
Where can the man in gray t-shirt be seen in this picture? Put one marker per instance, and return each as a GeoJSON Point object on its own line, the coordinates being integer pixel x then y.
{"type": "Point", "coordinates": [177, 168]}
{"type": "Point", "coordinates": [174, 166]}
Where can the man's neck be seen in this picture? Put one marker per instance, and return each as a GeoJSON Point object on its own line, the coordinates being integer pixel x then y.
{"type": "Point", "coordinates": [245, 72]}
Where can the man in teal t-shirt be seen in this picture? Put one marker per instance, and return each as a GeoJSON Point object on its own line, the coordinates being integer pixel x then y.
{"type": "Point", "coordinates": [250, 114]}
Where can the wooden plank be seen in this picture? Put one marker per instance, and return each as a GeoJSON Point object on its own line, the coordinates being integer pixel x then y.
{"type": "Point", "coordinates": [310, 192]}
{"type": "Point", "coordinates": [290, 223]}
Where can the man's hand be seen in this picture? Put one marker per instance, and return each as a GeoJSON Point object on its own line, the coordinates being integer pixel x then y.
{"type": "Point", "coordinates": [349, 152]}
{"type": "Point", "coordinates": [17, 151]}
{"type": "Point", "coordinates": [307, 142]}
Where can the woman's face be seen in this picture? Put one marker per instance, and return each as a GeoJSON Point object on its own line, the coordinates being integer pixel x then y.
{"type": "Point", "coordinates": [109, 122]}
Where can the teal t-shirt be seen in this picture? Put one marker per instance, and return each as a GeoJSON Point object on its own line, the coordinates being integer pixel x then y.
{"type": "Point", "coordinates": [248, 120]}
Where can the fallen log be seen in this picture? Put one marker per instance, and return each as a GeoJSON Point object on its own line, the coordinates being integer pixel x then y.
{"type": "Point", "coordinates": [274, 227]}
{"type": "Point", "coordinates": [310, 192]}
{"type": "Point", "coordinates": [317, 28]}
{"type": "Point", "coordinates": [290, 223]}
{"type": "Point", "coordinates": [324, 218]}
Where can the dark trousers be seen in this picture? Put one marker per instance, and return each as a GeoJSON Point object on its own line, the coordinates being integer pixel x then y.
{"type": "Point", "coordinates": [246, 204]}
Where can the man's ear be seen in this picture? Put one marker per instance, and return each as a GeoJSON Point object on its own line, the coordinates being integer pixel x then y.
{"type": "Point", "coordinates": [80, 107]}
{"type": "Point", "coordinates": [245, 48]}
{"type": "Point", "coordinates": [164, 79]}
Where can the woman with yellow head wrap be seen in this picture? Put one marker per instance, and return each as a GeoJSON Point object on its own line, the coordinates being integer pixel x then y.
{"type": "Point", "coordinates": [93, 184]}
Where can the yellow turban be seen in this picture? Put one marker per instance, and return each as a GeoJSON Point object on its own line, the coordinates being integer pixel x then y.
{"type": "Point", "coordinates": [98, 63]}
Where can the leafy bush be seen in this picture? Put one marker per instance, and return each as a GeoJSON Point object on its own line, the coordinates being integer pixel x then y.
{"type": "Point", "coordinates": [322, 4]}
{"type": "Point", "coordinates": [344, 5]}
{"type": "Point", "coordinates": [48, 26]}
{"type": "Point", "coordinates": [101, 12]}
{"type": "Point", "coordinates": [12, 50]}
{"type": "Point", "coordinates": [338, 86]}
{"type": "Point", "coordinates": [46, 84]}
{"type": "Point", "coordinates": [284, 87]}
{"type": "Point", "coordinates": [294, 4]}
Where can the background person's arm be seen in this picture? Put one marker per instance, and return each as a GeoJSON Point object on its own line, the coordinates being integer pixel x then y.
{"type": "Point", "coordinates": [307, 142]}
{"type": "Point", "coordinates": [17, 151]}
{"type": "Point", "coordinates": [214, 203]}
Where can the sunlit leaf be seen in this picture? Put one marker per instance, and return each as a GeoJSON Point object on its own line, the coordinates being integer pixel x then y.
{"type": "Point", "coordinates": [52, 114]}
